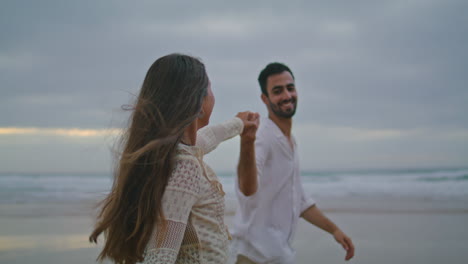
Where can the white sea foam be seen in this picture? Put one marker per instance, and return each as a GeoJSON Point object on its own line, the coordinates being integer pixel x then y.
{"type": "Point", "coordinates": [427, 184]}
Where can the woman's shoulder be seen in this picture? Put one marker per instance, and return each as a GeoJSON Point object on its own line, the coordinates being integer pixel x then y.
{"type": "Point", "coordinates": [186, 173]}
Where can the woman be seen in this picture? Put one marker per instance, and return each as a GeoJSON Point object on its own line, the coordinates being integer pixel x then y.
{"type": "Point", "coordinates": [166, 205]}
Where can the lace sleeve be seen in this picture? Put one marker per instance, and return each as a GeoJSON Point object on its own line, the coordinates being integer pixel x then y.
{"type": "Point", "coordinates": [209, 137]}
{"type": "Point", "coordinates": [179, 197]}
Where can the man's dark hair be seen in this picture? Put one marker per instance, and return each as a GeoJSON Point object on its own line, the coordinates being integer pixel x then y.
{"type": "Point", "coordinates": [271, 69]}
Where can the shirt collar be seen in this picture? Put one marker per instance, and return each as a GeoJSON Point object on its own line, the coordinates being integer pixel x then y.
{"type": "Point", "coordinates": [275, 129]}
{"type": "Point", "coordinates": [279, 135]}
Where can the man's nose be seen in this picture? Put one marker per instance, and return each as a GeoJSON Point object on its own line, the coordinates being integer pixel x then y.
{"type": "Point", "coordinates": [286, 95]}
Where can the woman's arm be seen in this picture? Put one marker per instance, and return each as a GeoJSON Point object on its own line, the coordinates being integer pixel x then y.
{"type": "Point", "coordinates": [209, 137]}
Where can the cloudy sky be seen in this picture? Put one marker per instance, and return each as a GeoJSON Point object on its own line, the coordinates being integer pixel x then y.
{"type": "Point", "coordinates": [382, 84]}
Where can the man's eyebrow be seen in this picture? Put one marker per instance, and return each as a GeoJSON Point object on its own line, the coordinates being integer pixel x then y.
{"type": "Point", "coordinates": [290, 84]}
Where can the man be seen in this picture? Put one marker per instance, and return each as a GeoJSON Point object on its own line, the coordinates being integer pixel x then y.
{"type": "Point", "coordinates": [269, 188]}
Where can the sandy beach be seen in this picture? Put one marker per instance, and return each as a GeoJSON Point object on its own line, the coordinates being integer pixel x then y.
{"type": "Point", "coordinates": [396, 231]}
{"type": "Point", "coordinates": [427, 234]}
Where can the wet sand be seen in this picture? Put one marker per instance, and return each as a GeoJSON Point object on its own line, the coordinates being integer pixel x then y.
{"type": "Point", "coordinates": [397, 231]}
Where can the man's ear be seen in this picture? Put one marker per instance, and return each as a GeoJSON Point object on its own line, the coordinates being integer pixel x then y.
{"type": "Point", "coordinates": [264, 99]}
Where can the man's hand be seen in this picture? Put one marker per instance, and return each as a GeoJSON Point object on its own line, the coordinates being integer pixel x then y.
{"type": "Point", "coordinates": [251, 121]}
{"type": "Point", "coordinates": [346, 242]}
{"type": "Point", "coordinates": [315, 216]}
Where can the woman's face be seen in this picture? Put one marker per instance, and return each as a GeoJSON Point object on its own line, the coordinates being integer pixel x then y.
{"type": "Point", "coordinates": [207, 108]}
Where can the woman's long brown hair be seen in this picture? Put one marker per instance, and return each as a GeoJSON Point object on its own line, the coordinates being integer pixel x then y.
{"type": "Point", "coordinates": [170, 99]}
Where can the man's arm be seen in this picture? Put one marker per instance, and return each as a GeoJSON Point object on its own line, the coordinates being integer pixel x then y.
{"type": "Point", "coordinates": [315, 216]}
{"type": "Point", "coordinates": [247, 167]}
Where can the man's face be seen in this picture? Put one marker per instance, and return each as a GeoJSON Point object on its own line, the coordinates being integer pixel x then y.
{"type": "Point", "coordinates": [282, 96]}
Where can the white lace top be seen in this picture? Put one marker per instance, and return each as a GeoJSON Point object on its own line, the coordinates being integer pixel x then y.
{"type": "Point", "coordinates": [193, 204]}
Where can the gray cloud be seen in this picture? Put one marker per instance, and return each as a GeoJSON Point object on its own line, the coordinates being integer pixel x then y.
{"type": "Point", "coordinates": [369, 65]}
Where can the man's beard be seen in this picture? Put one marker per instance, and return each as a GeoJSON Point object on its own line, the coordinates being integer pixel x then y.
{"type": "Point", "coordinates": [276, 109]}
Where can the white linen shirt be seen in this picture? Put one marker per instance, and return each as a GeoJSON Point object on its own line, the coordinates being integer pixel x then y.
{"type": "Point", "coordinates": [265, 222]}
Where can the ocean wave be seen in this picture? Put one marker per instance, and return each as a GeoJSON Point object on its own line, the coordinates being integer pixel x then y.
{"type": "Point", "coordinates": [427, 184]}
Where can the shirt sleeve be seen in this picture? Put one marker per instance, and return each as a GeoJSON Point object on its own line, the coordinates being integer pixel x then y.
{"type": "Point", "coordinates": [209, 137]}
{"type": "Point", "coordinates": [180, 195]}
{"type": "Point", "coordinates": [306, 201]}
{"type": "Point", "coordinates": [262, 149]}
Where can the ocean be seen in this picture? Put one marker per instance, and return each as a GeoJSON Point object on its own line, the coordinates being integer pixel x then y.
{"type": "Point", "coordinates": [427, 184]}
